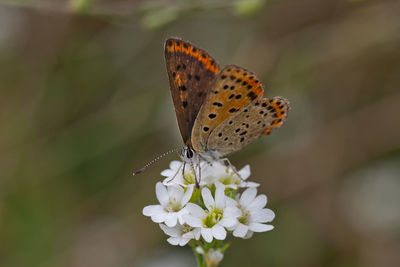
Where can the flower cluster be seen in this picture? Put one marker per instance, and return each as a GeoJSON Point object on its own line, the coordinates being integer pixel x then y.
{"type": "Point", "coordinates": [225, 203]}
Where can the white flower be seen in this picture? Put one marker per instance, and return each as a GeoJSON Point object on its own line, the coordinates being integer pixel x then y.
{"type": "Point", "coordinates": [209, 174]}
{"type": "Point", "coordinates": [213, 257]}
{"type": "Point", "coordinates": [254, 215]}
{"type": "Point", "coordinates": [173, 200]}
{"type": "Point", "coordinates": [174, 175]}
{"type": "Point", "coordinates": [226, 175]}
{"type": "Point", "coordinates": [185, 214]}
{"type": "Point", "coordinates": [219, 214]}
{"type": "Point", "coordinates": [180, 234]}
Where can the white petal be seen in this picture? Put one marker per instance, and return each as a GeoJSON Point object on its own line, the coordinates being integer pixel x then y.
{"type": "Point", "coordinates": [171, 231]}
{"type": "Point", "coordinates": [219, 195]}
{"type": "Point", "coordinates": [195, 210]}
{"type": "Point", "coordinates": [188, 194]}
{"type": "Point", "coordinates": [218, 232]}
{"type": "Point", "coordinates": [156, 212]}
{"type": "Point", "coordinates": [232, 211]}
{"type": "Point", "coordinates": [192, 220]}
{"type": "Point", "coordinates": [241, 230]}
{"type": "Point", "coordinates": [171, 219]}
{"type": "Point", "coordinates": [177, 181]}
{"type": "Point", "coordinates": [152, 209]}
{"type": "Point", "coordinates": [216, 169]}
{"type": "Point", "coordinates": [180, 215]}
{"type": "Point", "coordinates": [183, 241]}
{"type": "Point", "coordinates": [258, 203]}
{"type": "Point", "coordinates": [248, 235]}
{"type": "Point", "coordinates": [159, 217]}
{"type": "Point", "coordinates": [232, 186]}
{"type": "Point", "coordinates": [245, 172]}
{"type": "Point", "coordinates": [207, 180]}
{"type": "Point", "coordinates": [207, 234]}
{"type": "Point", "coordinates": [196, 233]}
{"type": "Point", "coordinates": [175, 165]}
{"type": "Point", "coordinates": [168, 173]}
{"type": "Point", "coordinates": [173, 240]}
{"type": "Point", "coordinates": [207, 198]}
{"type": "Point", "coordinates": [188, 235]}
{"type": "Point", "coordinates": [262, 216]}
{"type": "Point", "coordinates": [173, 175]}
{"type": "Point", "coordinates": [211, 173]}
{"type": "Point", "coordinates": [249, 184]}
{"type": "Point", "coordinates": [175, 193]}
{"type": "Point", "coordinates": [259, 227]}
{"type": "Point", "coordinates": [230, 202]}
{"type": "Point", "coordinates": [228, 222]}
{"type": "Point", "coordinates": [162, 194]}
{"type": "Point", "coordinates": [233, 227]}
{"type": "Point", "coordinates": [168, 182]}
{"type": "Point", "coordinates": [247, 196]}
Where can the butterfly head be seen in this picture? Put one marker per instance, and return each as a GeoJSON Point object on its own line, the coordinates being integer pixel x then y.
{"type": "Point", "coordinates": [188, 155]}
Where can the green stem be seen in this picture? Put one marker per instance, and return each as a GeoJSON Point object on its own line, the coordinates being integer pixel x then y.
{"type": "Point", "coordinates": [199, 258]}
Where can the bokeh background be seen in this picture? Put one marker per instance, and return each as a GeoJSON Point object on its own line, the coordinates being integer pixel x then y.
{"type": "Point", "coordinates": [84, 100]}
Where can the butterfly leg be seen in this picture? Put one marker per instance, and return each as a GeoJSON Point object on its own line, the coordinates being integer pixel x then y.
{"type": "Point", "coordinates": [227, 161]}
{"type": "Point", "coordinates": [183, 170]}
{"type": "Point", "coordinates": [196, 180]}
{"type": "Point", "coordinates": [198, 165]}
{"type": "Point", "coordinates": [176, 173]}
{"type": "Point", "coordinates": [183, 173]}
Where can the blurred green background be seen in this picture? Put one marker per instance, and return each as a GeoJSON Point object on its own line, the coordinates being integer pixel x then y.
{"type": "Point", "coordinates": [84, 100]}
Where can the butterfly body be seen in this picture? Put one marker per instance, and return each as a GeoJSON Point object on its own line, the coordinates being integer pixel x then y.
{"type": "Point", "coordinates": [218, 111]}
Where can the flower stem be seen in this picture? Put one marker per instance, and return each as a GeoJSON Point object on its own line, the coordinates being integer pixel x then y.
{"type": "Point", "coordinates": [199, 258]}
{"type": "Point", "coordinates": [208, 254]}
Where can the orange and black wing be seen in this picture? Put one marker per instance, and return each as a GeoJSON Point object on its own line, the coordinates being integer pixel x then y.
{"type": "Point", "coordinates": [191, 73]}
{"type": "Point", "coordinates": [234, 88]}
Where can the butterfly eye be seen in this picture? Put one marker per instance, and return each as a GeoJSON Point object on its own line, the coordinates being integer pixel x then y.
{"type": "Point", "coordinates": [189, 153]}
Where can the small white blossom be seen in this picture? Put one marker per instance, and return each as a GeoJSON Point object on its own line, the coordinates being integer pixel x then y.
{"type": "Point", "coordinates": [186, 215]}
{"type": "Point", "coordinates": [172, 204]}
{"type": "Point", "coordinates": [219, 214]}
{"type": "Point", "coordinates": [174, 168]}
{"type": "Point", "coordinates": [213, 257]}
{"type": "Point", "coordinates": [180, 234]}
{"type": "Point", "coordinates": [210, 173]}
{"type": "Point", "coordinates": [175, 176]}
{"type": "Point", "coordinates": [219, 172]}
{"type": "Point", "coordinates": [254, 215]}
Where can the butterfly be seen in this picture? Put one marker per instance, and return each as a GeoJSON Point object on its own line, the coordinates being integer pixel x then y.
{"type": "Point", "coordinates": [219, 111]}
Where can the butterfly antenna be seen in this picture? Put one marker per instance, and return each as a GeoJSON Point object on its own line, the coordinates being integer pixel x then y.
{"type": "Point", "coordinates": [155, 160]}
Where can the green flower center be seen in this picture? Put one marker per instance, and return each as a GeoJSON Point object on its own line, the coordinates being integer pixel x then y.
{"type": "Point", "coordinates": [189, 178]}
{"type": "Point", "coordinates": [230, 179]}
{"type": "Point", "coordinates": [213, 217]}
{"type": "Point", "coordinates": [186, 228]}
{"type": "Point", "coordinates": [245, 218]}
{"type": "Point", "coordinates": [173, 206]}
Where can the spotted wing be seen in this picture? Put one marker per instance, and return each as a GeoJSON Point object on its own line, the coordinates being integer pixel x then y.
{"type": "Point", "coordinates": [252, 122]}
{"type": "Point", "coordinates": [191, 73]}
{"type": "Point", "coordinates": [234, 89]}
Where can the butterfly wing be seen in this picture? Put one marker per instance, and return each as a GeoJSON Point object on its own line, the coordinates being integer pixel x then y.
{"type": "Point", "coordinates": [191, 73]}
{"type": "Point", "coordinates": [252, 122]}
{"type": "Point", "coordinates": [234, 88]}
